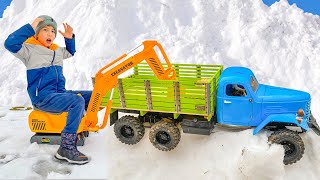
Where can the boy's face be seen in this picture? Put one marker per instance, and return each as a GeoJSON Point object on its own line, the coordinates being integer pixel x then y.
{"type": "Point", "coordinates": [46, 35]}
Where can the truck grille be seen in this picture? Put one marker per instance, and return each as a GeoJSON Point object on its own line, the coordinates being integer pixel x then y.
{"type": "Point", "coordinates": [308, 110]}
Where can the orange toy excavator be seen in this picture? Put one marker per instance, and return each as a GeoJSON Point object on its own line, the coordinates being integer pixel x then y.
{"type": "Point", "coordinates": [48, 126]}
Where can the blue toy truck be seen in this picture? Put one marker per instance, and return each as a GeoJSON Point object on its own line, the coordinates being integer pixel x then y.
{"type": "Point", "coordinates": [204, 96]}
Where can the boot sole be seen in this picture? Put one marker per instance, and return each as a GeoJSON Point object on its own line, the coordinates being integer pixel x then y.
{"type": "Point", "coordinates": [57, 156]}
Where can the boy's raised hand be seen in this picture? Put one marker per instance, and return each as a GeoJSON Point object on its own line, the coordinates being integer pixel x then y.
{"type": "Point", "coordinates": [68, 31]}
{"type": "Point", "coordinates": [36, 22]}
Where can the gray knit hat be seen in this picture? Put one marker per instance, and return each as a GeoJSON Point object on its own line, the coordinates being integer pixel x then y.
{"type": "Point", "coordinates": [48, 21]}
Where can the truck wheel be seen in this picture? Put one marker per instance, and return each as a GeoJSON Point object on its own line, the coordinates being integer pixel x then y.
{"type": "Point", "coordinates": [292, 143]}
{"type": "Point", "coordinates": [129, 130]}
{"type": "Point", "coordinates": [164, 136]}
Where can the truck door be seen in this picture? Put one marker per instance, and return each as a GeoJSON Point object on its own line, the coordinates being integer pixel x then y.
{"type": "Point", "coordinates": [237, 105]}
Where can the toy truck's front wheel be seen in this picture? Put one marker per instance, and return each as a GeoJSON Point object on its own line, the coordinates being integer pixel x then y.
{"type": "Point", "coordinates": [165, 136]}
{"type": "Point", "coordinates": [292, 143]}
{"type": "Point", "coordinates": [129, 130]}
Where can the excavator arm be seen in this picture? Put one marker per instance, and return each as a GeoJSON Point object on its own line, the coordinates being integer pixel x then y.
{"type": "Point", "coordinates": [107, 78]}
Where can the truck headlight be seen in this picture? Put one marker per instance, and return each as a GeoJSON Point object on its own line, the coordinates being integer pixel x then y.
{"type": "Point", "coordinates": [300, 115]}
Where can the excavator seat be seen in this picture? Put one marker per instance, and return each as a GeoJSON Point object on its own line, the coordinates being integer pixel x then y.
{"type": "Point", "coordinates": [54, 113]}
{"type": "Point", "coordinates": [48, 126]}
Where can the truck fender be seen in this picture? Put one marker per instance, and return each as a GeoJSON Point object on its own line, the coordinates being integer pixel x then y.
{"type": "Point", "coordinates": [113, 117]}
{"type": "Point", "coordinates": [282, 118]}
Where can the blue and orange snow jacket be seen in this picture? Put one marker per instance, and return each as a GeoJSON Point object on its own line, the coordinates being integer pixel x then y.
{"type": "Point", "coordinates": [44, 65]}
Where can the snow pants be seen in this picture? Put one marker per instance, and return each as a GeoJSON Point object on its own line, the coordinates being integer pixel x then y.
{"type": "Point", "coordinates": [69, 102]}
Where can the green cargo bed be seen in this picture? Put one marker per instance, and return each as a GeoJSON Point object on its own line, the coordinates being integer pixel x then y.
{"type": "Point", "coordinates": [193, 92]}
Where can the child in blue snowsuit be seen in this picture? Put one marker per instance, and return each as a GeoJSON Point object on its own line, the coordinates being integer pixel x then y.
{"type": "Point", "coordinates": [33, 45]}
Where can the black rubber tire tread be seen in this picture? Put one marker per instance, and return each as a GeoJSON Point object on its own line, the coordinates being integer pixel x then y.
{"type": "Point", "coordinates": [293, 137]}
{"type": "Point", "coordinates": [171, 129]}
{"type": "Point", "coordinates": [135, 124]}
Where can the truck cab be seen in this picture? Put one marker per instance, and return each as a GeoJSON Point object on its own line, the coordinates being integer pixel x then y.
{"type": "Point", "coordinates": [242, 101]}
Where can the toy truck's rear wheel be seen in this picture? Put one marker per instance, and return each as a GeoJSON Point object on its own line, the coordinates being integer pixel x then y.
{"type": "Point", "coordinates": [292, 143]}
{"type": "Point", "coordinates": [129, 130]}
{"type": "Point", "coordinates": [165, 136]}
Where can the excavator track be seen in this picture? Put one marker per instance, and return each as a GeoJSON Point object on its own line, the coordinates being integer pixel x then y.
{"type": "Point", "coordinates": [54, 139]}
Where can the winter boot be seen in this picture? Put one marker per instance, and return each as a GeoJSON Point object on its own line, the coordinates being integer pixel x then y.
{"type": "Point", "coordinates": [68, 150]}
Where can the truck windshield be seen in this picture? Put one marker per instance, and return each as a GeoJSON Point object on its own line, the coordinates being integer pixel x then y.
{"type": "Point", "coordinates": [254, 84]}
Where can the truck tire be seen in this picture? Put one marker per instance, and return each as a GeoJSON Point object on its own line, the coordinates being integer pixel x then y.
{"type": "Point", "coordinates": [165, 136]}
{"type": "Point", "coordinates": [292, 144]}
{"type": "Point", "coordinates": [129, 130]}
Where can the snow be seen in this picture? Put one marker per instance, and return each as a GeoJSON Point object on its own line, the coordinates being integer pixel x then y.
{"type": "Point", "coordinates": [279, 43]}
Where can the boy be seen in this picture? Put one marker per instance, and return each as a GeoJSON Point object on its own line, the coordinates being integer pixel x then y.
{"type": "Point", "coordinates": [33, 45]}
